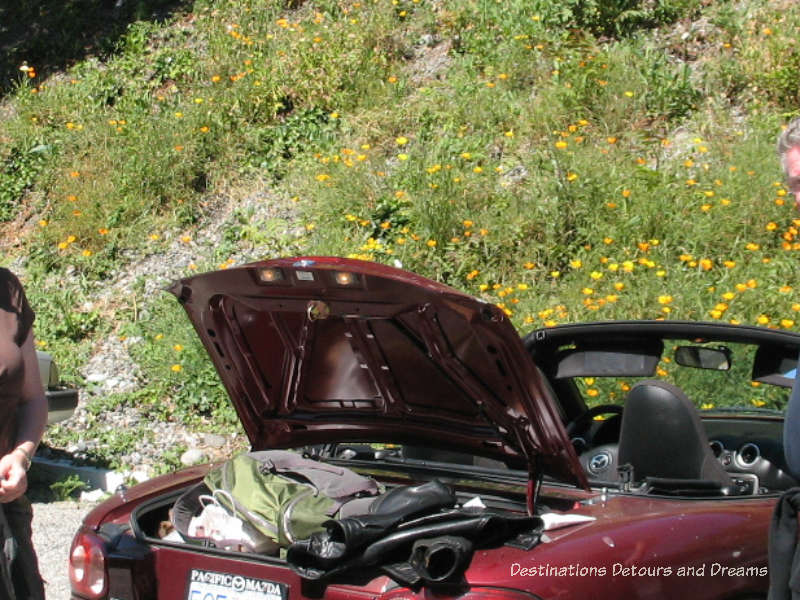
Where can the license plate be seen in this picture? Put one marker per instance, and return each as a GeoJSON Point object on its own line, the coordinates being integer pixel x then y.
{"type": "Point", "coordinates": [211, 585]}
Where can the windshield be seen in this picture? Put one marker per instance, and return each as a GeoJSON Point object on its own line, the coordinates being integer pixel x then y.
{"type": "Point", "coordinates": [711, 389]}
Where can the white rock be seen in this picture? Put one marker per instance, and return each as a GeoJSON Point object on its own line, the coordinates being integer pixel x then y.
{"type": "Point", "coordinates": [192, 456]}
{"type": "Point", "coordinates": [214, 440]}
{"type": "Point", "coordinates": [114, 479]}
{"type": "Point", "coordinates": [140, 476]}
{"type": "Point", "coordinates": [93, 496]}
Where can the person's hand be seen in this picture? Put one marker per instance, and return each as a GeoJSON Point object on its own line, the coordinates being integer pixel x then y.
{"type": "Point", "coordinates": [13, 476]}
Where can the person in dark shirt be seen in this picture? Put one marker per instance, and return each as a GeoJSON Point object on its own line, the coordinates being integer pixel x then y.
{"type": "Point", "coordinates": [23, 407]}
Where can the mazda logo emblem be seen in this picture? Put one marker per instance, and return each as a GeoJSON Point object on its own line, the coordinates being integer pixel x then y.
{"type": "Point", "coordinates": [599, 462]}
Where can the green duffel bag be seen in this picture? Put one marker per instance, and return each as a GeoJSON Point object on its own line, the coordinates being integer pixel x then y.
{"type": "Point", "coordinates": [283, 495]}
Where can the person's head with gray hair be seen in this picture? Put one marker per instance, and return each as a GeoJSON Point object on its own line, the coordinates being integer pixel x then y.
{"type": "Point", "coordinates": [789, 153]}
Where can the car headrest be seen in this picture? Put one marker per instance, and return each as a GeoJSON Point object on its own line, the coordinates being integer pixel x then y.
{"type": "Point", "coordinates": [662, 436]}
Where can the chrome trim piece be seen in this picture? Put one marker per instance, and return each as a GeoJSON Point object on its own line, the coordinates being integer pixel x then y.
{"type": "Point", "coordinates": [752, 448]}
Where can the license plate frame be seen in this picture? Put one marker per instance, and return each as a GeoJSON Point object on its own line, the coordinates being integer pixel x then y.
{"type": "Point", "coordinates": [204, 584]}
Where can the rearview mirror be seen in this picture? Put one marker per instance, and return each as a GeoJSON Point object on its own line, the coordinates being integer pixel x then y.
{"type": "Point", "coordinates": [702, 357]}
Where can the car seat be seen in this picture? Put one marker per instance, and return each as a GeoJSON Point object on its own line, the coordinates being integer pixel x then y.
{"type": "Point", "coordinates": [663, 443]}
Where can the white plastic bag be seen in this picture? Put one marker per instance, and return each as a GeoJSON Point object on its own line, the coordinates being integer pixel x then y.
{"type": "Point", "coordinates": [227, 531]}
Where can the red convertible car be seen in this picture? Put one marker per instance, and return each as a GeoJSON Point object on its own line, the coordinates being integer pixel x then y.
{"type": "Point", "coordinates": [605, 460]}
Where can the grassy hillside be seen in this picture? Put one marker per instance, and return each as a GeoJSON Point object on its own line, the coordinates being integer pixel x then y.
{"type": "Point", "coordinates": [568, 161]}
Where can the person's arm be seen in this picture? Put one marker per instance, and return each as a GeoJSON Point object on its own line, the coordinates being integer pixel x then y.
{"type": "Point", "coordinates": [791, 428]}
{"type": "Point", "coordinates": [31, 421]}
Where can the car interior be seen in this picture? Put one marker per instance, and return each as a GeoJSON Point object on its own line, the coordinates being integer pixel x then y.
{"type": "Point", "coordinates": [677, 417]}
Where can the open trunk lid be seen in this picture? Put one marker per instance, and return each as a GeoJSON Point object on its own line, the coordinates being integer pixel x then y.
{"type": "Point", "coordinates": [317, 350]}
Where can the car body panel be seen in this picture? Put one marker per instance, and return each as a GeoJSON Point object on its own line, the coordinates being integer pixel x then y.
{"type": "Point", "coordinates": [637, 546]}
{"type": "Point", "coordinates": [388, 356]}
{"type": "Point", "coordinates": [639, 541]}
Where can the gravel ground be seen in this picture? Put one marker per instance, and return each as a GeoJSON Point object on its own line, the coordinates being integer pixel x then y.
{"type": "Point", "coordinates": [54, 524]}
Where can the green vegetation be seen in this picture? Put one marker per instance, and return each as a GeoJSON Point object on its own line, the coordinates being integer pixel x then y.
{"type": "Point", "coordinates": [569, 161]}
{"type": "Point", "coordinates": [67, 488]}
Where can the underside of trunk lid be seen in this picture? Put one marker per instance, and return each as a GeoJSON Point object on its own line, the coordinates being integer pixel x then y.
{"type": "Point", "coordinates": [317, 350]}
